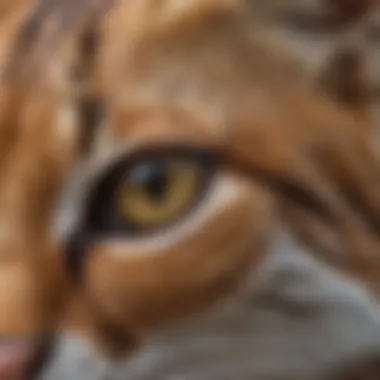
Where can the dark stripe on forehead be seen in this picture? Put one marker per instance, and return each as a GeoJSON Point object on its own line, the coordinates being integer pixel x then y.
{"type": "Point", "coordinates": [90, 105]}
{"type": "Point", "coordinates": [65, 16]}
{"type": "Point", "coordinates": [68, 14]}
{"type": "Point", "coordinates": [48, 23]}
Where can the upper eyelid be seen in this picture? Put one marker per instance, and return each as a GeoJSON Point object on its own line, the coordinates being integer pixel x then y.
{"type": "Point", "coordinates": [97, 167]}
{"type": "Point", "coordinates": [149, 151]}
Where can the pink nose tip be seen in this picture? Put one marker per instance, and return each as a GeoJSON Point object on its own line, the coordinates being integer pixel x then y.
{"type": "Point", "coordinates": [15, 358]}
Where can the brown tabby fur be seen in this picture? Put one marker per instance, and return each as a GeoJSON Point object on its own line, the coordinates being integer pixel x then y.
{"type": "Point", "coordinates": [200, 72]}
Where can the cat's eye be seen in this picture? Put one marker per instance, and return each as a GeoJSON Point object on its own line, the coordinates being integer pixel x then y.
{"type": "Point", "coordinates": [155, 192]}
{"type": "Point", "coordinates": [148, 190]}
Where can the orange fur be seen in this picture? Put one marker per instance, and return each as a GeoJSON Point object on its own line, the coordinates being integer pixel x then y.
{"type": "Point", "coordinates": [194, 72]}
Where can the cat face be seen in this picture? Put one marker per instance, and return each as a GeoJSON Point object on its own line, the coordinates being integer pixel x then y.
{"type": "Point", "coordinates": [179, 200]}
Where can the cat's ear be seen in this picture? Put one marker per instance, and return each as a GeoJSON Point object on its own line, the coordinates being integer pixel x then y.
{"type": "Point", "coordinates": [345, 75]}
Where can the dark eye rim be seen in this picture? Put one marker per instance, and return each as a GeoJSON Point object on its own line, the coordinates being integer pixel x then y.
{"type": "Point", "coordinates": [99, 209]}
{"type": "Point", "coordinates": [87, 233]}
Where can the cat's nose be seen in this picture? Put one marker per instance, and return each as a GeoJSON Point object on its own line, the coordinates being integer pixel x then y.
{"type": "Point", "coordinates": [15, 359]}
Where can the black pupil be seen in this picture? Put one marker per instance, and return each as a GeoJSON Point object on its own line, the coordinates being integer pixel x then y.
{"type": "Point", "coordinates": [153, 178]}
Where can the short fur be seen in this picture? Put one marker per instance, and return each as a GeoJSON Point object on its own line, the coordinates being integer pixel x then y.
{"type": "Point", "coordinates": [199, 72]}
